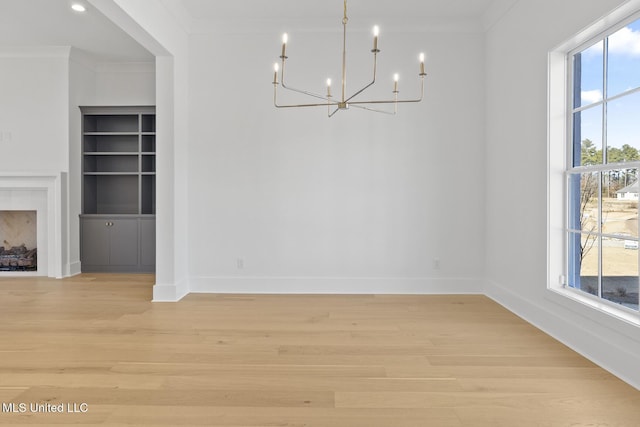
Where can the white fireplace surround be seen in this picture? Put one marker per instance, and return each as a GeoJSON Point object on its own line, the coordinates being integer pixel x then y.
{"type": "Point", "coordinates": [41, 192]}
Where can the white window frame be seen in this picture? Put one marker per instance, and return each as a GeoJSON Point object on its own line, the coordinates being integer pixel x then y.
{"type": "Point", "coordinates": [559, 155]}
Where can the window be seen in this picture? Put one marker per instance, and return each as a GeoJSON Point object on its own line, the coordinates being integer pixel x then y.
{"type": "Point", "coordinates": [603, 167]}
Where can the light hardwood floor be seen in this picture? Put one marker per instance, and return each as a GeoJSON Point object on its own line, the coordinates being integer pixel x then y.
{"type": "Point", "coordinates": [287, 360]}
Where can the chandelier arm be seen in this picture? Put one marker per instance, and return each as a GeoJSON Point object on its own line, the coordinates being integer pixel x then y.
{"type": "Point", "coordinates": [389, 101]}
{"type": "Point", "coordinates": [375, 62]}
{"type": "Point", "coordinates": [275, 101]}
{"type": "Point", "coordinates": [300, 105]}
{"type": "Point", "coordinates": [375, 110]}
{"type": "Point", "coordinates": [304, 92]}
{"type": "Point", "coordinates": [329, 114]}
{"type": "Point", "coordinates": [396, 101]}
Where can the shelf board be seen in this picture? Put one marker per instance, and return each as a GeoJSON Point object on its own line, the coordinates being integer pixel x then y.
{"type": "Point", "coordinates": [110, 133]}
{"type": "Point", "coordinates": [111, 173]}
{"type": "Point", "coordinates": [111, 153]}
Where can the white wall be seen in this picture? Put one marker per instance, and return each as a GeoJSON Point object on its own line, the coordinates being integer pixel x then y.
{"type": "Point", "coordinates": [126, 84]}
{"type": "Point", "coordinates": [516, 182]}
{"type": "Point", "coordinates": [361, 202]}
{"type": "Point", "coordinates": [34, 121]}
{"type": "Point", "coordinates": [34, 109]}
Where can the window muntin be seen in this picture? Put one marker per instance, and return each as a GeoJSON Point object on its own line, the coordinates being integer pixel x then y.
{"type": "Point", "coordinates": [602, 186]}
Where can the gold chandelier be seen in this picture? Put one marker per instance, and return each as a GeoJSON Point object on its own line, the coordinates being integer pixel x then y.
{"type": "Point", "coordinates": [345, 101]}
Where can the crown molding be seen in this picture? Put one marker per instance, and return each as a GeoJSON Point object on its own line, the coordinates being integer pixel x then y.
{"type": "Point", "coordinates": [94, 64]}
{"type": "Point", "coordinates": [35, 52]}
{"type": "Point", "coordinates": [125, 67]}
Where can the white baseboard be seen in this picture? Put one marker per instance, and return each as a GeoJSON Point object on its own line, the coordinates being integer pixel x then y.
{"type": "Point", "coordinates": [74, 268]}
{"type": "Point", "coordinates": [610, 343]}
{"type": "Point", "coordinates": [335, 285]}
{"type": "Point", "coordinates": [170, 292]}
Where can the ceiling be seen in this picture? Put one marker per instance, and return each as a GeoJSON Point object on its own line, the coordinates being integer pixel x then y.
{"type": "Point", "coordinates": [53, 23]}
{"type": "Point", "coordinates": [317, 14]}
{"type": "Point", "coordinates": [318, 10]}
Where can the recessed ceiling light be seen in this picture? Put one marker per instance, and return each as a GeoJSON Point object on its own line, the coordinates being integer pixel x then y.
{"type": "Point", "coordinates": [78, 7]}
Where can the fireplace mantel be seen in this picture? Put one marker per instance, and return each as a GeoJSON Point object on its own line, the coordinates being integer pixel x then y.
{"type": "Point", "coordinates": [42, 192]}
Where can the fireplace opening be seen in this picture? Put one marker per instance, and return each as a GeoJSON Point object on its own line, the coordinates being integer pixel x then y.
{"type": "Point", "coordinates": [18, 241]}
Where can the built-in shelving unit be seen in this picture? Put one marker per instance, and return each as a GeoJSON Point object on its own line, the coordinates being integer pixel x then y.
{"type": "Point", "coordinates": [118, 187]}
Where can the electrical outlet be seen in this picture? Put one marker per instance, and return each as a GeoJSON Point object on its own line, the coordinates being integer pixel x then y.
{"type": "Point", "coordinates": [5, 136]}
{"type": "Point", "coordinates": [436, 263]}
{"type": "Point", "coordinates": [240, 263]}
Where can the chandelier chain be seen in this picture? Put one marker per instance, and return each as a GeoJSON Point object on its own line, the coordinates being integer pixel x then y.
{"type": "Point", "coordinates": [345, 19]}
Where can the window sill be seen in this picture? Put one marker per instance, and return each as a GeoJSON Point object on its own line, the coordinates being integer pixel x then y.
{"type": "Point", "coordinates": [609, 309]}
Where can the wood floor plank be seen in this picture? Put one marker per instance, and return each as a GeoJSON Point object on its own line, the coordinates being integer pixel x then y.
{"type": "Point", "coordinates": [288, 360]}
{"type": "Point", "coordinates": [286, 417]}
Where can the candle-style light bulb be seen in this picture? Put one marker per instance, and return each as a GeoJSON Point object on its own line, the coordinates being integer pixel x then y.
{"type": "Point", "coordinates": [396, 77]}
{"type": "Point", "coordinates": [275, 73]}
{"type": "Point", "coordinates": [285, 39]}
{"type": "Point", "coordinates": [376, 32]}
{"type": "Point", "coordinates": [328, 88]}
{"type": "Point", "coordinates": [421, 58]}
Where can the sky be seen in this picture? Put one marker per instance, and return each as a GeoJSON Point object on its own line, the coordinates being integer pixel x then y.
{"type": "Point", "coordinates": [623, 73]}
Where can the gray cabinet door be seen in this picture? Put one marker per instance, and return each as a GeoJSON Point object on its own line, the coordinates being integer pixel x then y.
{"type": "Point", "coordinates": [123, 242]}
{"type": "Point", "coordinates": [95, 241]}
{"type": "Point", "coordinates": [110, 244]}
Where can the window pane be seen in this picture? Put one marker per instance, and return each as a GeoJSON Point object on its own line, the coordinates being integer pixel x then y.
{"type": "Point", "coordinates": [588, 75]}
{"type": "Point", "coordinates": [620, 271]}
{"type": "Point", "coordinates": [623, 68]}
{"type": "Point", "coordinates": [583, 204]}
{"type": "Point", "coordinates": [587, 135]}
{"type": "Point", "coordinates": [620, 203]}
{"type": "Point", "coordinates": [583, 272]}
{"type": "Point", "coordinates": [623, 128]}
